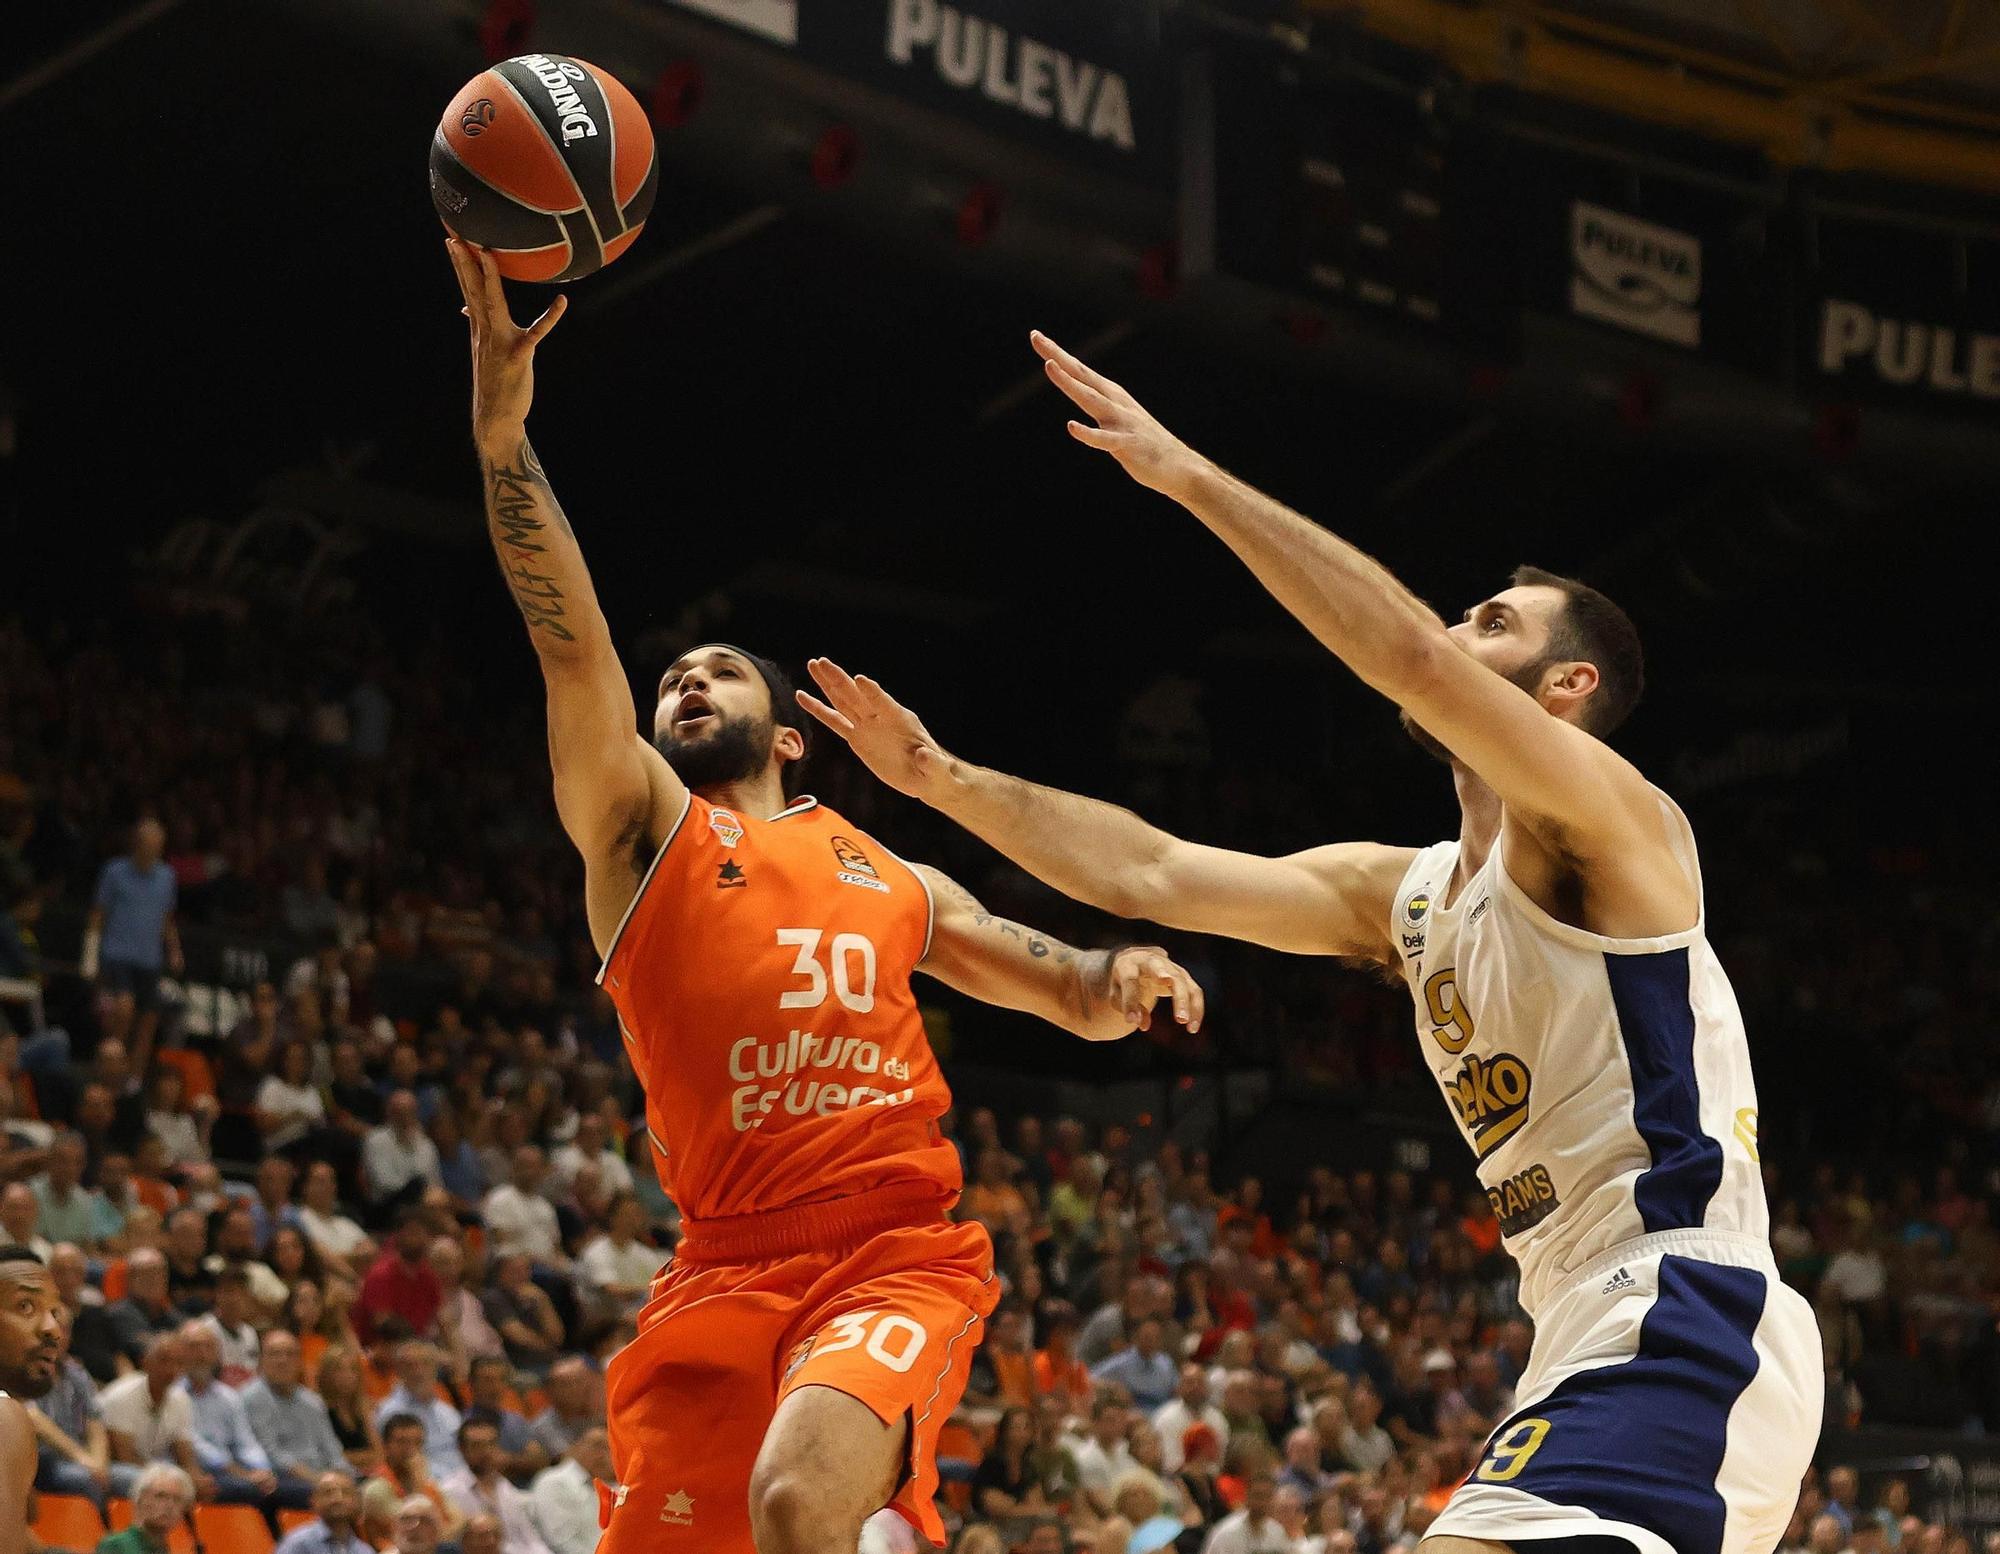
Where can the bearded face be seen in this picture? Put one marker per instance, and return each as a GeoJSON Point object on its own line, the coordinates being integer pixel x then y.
{"type": "Point", "coordinates": [718, 749]}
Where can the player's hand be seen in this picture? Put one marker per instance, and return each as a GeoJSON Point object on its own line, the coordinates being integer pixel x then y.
{"type": "Point", "coordinates": [503, 353]}
{"type": "Point", "coordinates": [1141, 976]}
{"type": "Point", "coordinates": [1125, 429]}
{"type": "Point", "coordinates": [889, 738]}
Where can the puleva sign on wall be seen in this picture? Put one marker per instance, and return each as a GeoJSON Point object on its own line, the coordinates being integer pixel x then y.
{"type": "Point", "coordinates": [1634, 274]}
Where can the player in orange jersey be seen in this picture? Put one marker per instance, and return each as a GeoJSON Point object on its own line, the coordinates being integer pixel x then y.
{"type": "Point", "coordinates": [797, 1361]}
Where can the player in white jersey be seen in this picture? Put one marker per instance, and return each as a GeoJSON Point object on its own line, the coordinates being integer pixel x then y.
{"type": "Point", "coordinates": [1566, 997]}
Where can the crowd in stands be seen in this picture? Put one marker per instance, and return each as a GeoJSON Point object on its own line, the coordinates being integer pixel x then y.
{"type": "Point", "coordinates": [359, 1255]}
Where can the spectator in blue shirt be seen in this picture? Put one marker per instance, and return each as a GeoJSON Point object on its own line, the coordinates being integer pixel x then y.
{"type": "Point", "coordinates": [224, 1443]}
{"type": "Point", "coordinates": [416, 1394]}
{"type": "Point", "coordinates": [131, 937]}
{"type": "Point", "coordinates": [1146, 1370]}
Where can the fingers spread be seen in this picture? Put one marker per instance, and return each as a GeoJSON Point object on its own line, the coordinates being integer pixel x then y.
{"type": "Point", "coordinates": [1050, 351]}
{"type": "Point", "coordinates": [1086, 398]}
{"type": "Point", "coordinates": [819, 709]}
{"type": "Point", "coordinates": [538, 330]}
{"type": "Point", "coordinates": [838, 684]}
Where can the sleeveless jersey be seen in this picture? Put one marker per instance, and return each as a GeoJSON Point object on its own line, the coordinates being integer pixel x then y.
{"type": "Point", "coordinates": [762, 981]}
{"type": "Point", "coordinates": [1603, 1084]}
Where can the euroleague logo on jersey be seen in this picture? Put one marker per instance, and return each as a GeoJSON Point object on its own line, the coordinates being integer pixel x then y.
{"type": "Point", "coordinates": [855, 867]}
{"type": "Point", "coordinates": [726, 827]}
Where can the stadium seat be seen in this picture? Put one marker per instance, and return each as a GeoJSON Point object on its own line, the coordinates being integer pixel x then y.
{"type": "Point", "coordinates": [232, 1529]}
{"type": "Point", "coordinates": [68, 1522]}
{"type": "Point", "coordinates": [197, 1078]}
{"type": "Point", "coordinates": [287, 1519]}
{"type": "Point", "coordinates": [118, 1514]}
{"type": "Point", "coordinates": [957, 1440]}
{"type": "Point", "coordinates": [114, 1280]}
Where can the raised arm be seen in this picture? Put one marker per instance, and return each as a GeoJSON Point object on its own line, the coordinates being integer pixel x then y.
{"type": "Point", "coordinates": [17, 1474]}
{"type": "Point", "coordinates": [1099, 995]}
{"type": "Point", "coordinates": [615, 793]}
{"type": "Point", "coordinates": [1332, 900]}
{"type": "Point", "coordinates": [1570, 787]}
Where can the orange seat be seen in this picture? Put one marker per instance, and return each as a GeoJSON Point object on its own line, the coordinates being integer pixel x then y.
{"type": "Point", "coordinates": [959, 1441]}
{"type": "Point", "coordinates": [68, 1522]}
{"type": "Point", "coordinates": [232, 1529]}
{"type": "Point", "coordinates": [114, 1280]}
{"type": "Point", "coordinates": [377, 1382]}
{"type": "Point", "coordinates": [287, 1519]}
{"type": "Point", "coordinates": [197, 1078]}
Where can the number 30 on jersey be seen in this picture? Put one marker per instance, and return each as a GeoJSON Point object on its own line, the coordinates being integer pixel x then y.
{"type": "Point", "coordinates": [849, 970]}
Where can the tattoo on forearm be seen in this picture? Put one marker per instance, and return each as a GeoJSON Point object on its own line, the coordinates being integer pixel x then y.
{"type": "Point", "coordinates": [521, 507]}
{"type": "Point", "coordinates": [1038, 945]}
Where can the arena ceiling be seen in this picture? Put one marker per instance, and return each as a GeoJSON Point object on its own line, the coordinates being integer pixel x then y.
{"type": "Point", "coordinates": [234, 290]}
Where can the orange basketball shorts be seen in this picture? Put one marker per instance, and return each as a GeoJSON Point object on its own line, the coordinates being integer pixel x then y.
{"type": "Point", "coordinates": [885, 1310]}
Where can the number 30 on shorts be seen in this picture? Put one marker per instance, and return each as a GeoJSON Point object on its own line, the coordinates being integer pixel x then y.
{"type": "Point", "coordinates": [1509, 1453]}
{"type": "Point", "coordinates": [894, 1340]}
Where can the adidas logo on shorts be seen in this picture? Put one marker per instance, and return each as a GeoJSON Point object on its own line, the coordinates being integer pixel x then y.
{"type": "Point", "coordinates": [1621, 1280]}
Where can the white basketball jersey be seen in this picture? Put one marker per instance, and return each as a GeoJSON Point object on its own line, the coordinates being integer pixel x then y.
{"type": "Point", "coordinates": [1604, 1084]}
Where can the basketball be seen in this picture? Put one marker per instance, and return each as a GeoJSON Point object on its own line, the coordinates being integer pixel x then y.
{"type": "Point", "coordinates": [547, 161]}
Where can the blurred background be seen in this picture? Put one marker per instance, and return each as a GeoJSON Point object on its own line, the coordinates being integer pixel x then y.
{"type": "Point", "coordinates": [1696, 299]}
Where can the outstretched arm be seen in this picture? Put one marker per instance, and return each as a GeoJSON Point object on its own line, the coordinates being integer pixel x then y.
{"type": "Point", "coordinates": [615, 793]}
{"type": "Point", "coordinates": [1571, 787]}
{"type": "Point", "coordinates": [17, 1474]}
{"type": "Point", "coordinates": [1099, 995]}
{"type": "Point", "coordinates": [1332, 900]}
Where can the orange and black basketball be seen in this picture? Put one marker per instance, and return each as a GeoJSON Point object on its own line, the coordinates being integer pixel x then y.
{"type": "Point", "coordinates": [547, 161]}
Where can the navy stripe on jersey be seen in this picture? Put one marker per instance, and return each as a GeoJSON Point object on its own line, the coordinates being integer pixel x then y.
{"type": "Point", "coordinates": [1643, 1440]}
{"type": "Point", "coordinates": [1656, 1021]}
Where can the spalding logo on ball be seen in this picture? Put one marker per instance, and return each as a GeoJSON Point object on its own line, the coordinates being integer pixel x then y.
{"type": "Point", "coordinates": [548, 161]}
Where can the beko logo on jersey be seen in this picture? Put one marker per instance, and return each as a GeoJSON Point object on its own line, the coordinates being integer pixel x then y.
{"type": "Point", "coordinates": [1524, 1200]}
{"type": "Point", "coordinates": [752, 1060]}
{"type": "Point", "coordinates": [855, 869]}
{"type": "Point", "coordinates": [577, 123]}
{"type": "Point", "coordinates": [1490, 1096]}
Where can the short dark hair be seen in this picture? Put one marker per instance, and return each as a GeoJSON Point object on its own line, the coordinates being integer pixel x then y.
{"type": "Point", "coordinates": [20, 1254]}
{"type": "Point", "coordinates": [469, 1425]}
{"type": "Point", "coordinates": [397, 1422]}
{"type": "Point", "coordinates": [1591, 629]}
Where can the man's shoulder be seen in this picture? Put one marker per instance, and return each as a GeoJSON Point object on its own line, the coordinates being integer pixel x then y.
{"type": "Point", "coordinates": [122, 1388]}
{"type": "Point", "coordinates": [311, 1535]}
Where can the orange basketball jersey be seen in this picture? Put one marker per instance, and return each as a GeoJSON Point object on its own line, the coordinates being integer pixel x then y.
{"type": "Point", "coordinates": [762, 979]}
